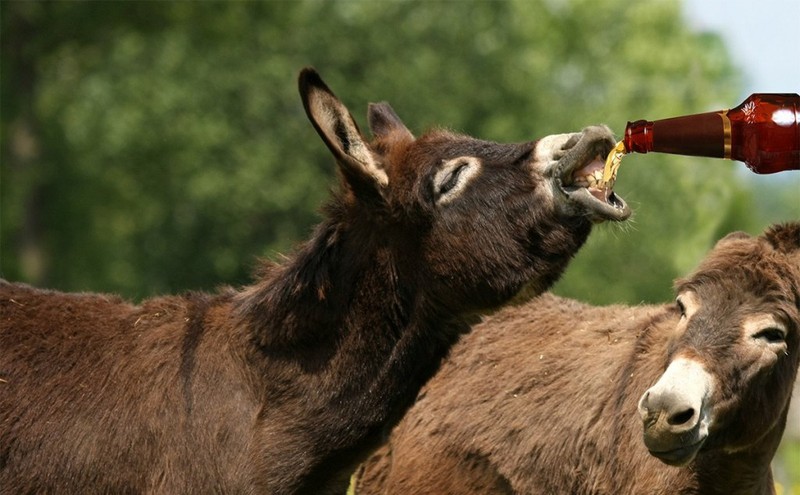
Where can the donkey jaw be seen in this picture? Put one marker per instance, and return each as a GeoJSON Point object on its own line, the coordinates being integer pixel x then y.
{"type": "Point", "coordinates": [581, 160]}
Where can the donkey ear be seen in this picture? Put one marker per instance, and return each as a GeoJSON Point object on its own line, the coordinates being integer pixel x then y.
{"type": "Point", "coordinates": [733, 236]}
{"type": "Point", "coordinates": [339, 131]}
{"type": "Point", "coordinates": [784, 237]}
{"type": "Point", "coordinates": [383, 121]}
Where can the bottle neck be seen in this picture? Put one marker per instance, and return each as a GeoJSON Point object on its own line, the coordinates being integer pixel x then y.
{"type": "Point", "coordinates": [639, 137]}
{"type": "Point", "coordinates": [703, 134]}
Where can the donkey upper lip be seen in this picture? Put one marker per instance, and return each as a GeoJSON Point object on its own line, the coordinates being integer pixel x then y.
{"type": "Point", "coordinates": [593, 150]}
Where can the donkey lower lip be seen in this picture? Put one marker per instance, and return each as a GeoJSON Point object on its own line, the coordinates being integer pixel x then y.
{"type": "Point", "coordinates": [612, 207]}
{"type": "Point", "coordinates": [680, 456]}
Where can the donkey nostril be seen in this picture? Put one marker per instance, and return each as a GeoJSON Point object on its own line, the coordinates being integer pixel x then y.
{"type": "Point", "coordinates": [681, 417]}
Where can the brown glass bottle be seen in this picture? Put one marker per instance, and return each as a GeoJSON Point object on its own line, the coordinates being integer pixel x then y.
{"type": "Point", "coordinates": [763, 132]}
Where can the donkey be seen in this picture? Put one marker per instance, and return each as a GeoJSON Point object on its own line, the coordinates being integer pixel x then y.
{"type": "Point", "coordinates": [285, 385]}
{"type": "Point", "coordinates": [553, 397]}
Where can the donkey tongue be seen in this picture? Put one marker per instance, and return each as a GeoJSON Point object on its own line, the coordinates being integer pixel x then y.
{"type": "Point", "coordinates": [589, 169]}
{"type": "Point", "coordinates": [590, 176]}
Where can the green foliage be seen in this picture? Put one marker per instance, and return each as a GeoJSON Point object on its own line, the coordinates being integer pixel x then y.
{"type": "Point", "coordinates": [787, 467]}
{"type": "Point", "coordinates": [167, 147]}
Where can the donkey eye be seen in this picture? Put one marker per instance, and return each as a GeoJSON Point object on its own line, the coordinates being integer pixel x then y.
{"type": "Point", "coordinates": [681, 307]}
{"type": "Point", "coordinates": [771, 335]}
{"type": "Point", "coordinates": [453, 176]}
{"type": "Point", "coordinates": [451, 179]}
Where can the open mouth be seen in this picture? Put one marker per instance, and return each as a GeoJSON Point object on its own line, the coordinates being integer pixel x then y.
{"type": "Point", "coordinates": [579, 175]}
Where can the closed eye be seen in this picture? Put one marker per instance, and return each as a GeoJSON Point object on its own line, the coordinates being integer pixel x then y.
{"type": "Point", "coordinates": [771, 335]}
{"type": "Point", "coordinates": [451, 179]}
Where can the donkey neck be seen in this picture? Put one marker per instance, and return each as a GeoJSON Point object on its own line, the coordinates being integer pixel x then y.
{"type": "Point", "coordinates": [745, 472]}
{"type": "Point", "coordinates": [348, 311]}
{"type": "Point", "coordinates": [348, 321]}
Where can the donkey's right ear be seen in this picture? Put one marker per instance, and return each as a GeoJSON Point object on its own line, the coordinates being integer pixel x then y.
{"type": "Point", "coordinates": [339, 131]}
{"type": "Point", "coordinates": [383, 121]}
{"type": "Point", "coordinates": [784, 237]}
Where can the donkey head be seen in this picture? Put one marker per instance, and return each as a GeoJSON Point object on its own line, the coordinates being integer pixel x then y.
{"type": "Point", "coordinates": [735, 351]}
{"type": "Point", "coordinates": [470, 222]}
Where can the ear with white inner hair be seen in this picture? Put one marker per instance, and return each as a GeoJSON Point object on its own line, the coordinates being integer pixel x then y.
{"type": "Point", "coordinates": [339, 131]}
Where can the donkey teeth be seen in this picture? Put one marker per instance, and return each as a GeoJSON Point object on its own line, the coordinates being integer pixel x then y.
{"type": "Point", "coordinates": [591, 180]}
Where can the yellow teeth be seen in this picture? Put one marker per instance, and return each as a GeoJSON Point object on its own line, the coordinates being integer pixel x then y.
{"type": "Point", "coordinates": [592, 180]}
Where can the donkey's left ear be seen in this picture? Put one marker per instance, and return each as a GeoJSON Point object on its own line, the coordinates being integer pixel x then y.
{"type": "Point", "coordinates": [784, 237]}
{"type": "Point", "coordinates": [339, 131]}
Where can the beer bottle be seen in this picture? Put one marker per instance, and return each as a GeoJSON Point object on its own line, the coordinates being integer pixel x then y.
{"type": "Point", "coordinates": [763, 132]}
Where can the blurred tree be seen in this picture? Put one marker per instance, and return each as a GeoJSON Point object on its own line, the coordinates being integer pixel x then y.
{"type": "Point", "coordinates": [155, 147]}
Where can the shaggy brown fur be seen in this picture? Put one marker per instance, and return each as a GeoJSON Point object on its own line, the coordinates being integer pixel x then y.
{"type": "Point", "coordinates": [285, 385]}
{"type": "Point", "coordinates": [542, 399]}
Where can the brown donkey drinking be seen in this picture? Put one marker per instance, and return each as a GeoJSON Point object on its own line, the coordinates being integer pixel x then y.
{"type": "Point", "coordinates": [285, 385]}
{"type": "Point", "coordinates": [561, 397]}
